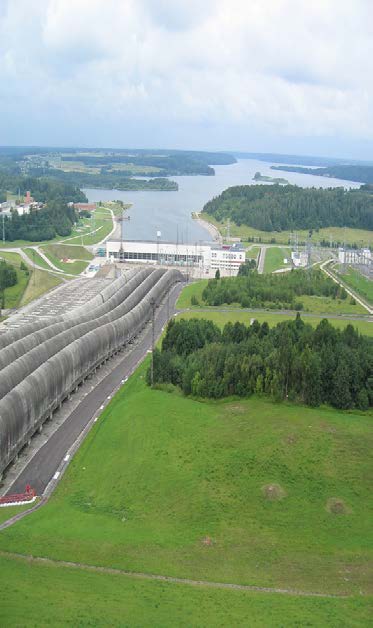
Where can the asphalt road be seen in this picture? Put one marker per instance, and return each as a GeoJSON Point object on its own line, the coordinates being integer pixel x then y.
{"type": "Point", "coordinates": [44, 464]}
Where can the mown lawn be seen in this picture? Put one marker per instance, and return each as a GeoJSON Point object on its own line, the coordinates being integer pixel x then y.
{"type": "Point", "coordinates": [14, 294]}
{"type": "Point", "coordinates": [169, 485]}
{"type": "Point", "coordinates": [74, 268]}
{"type": "Point", "coordinates": [361, 237]}
{"type": "Point", "coordinates": [311, 304]}
{"type": "Point", "coordinates": [361, 284]}
{"type": "Point", "coordinates": [274, 259]}
{"type": "Point", "coordinates": [70, 251]}
{"type": "Point", "coordinates": [103, 227]}
{"type": "Point", "coordinates": [272, 318]}
{"type": "Point", "coordinates": [253, 252]}
{"type": "Point", "coordinates": [42, 594]}
{"type": "Point", "coordinates": [34, 256]}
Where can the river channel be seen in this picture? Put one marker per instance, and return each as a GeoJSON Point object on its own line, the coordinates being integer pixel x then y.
{"type": "Point", "coordinates": [170, 212]}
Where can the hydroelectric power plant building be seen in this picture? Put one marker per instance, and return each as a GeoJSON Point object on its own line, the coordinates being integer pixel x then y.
{"type": "Point", "coordinates": [226, 258]}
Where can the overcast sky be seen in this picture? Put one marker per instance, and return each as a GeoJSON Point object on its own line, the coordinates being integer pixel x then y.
{"type": "Point", "coordinates": [255, 75]}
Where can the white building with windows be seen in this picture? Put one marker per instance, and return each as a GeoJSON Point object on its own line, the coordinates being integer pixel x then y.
{"type": "Point", "coordinates": [226, 258]}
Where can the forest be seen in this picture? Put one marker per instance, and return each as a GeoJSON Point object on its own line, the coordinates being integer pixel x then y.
{"type": "Point", "coordinates": [277, 291]}
{"type": "Point", "coordinates": [288, 207]}
{"type": "Point", "coordinates": [42, 189]}
{"type": "Point", "coordinates": [291, 361]}
{"type": "Point", "coordinates": [109, 180]}
{"type": "Point", "coordinates": [8, 278]}
{"type": "Point", "coordinates": [55, 218]}
{"type": "Point", "coordinates": [349, 172]}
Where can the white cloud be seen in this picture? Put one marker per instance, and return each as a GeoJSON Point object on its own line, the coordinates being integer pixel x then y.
{"type": "Point", "coordinates": [275, 67]}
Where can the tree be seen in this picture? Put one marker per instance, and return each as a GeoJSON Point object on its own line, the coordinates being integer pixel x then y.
{"type": "Point", "coordinates": [217, 274]}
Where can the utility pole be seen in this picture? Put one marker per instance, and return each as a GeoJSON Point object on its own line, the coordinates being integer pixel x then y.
{"type": "Point", "coordinates": [121, 220]}
{"type": "Point", "coordinates": [34, 269]}
{"type": "Point", "coordinates": [153, 306]}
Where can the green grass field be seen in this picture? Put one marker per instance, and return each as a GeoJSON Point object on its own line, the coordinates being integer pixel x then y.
{"type": "Point", "coordinates": [85, 598]}
{"type": "Point", "coordinates": [193, 289]}
{"type": "Point", "coordinates": [174, 472]}
{"type": "Point", "coordinates": [361, 284]}
{"type": "Point", "coordinates": [360, 237]}
{"type": "Point", "coordinates": [252, 252]}
{"type": "Point", "coordinates": [42, 594]}
{"type": "Point", "coordinates": [70, 251]}
{"type": "Point", "coordinates": [14, 294]}
{"type": "Point", "coordinates": [312, 304]}
{"type": "Point", "coordinates": [74, 268]}
{"type": "Point", "coordinates": [274, 259]}
{"type": "Point", "coordinates": [40, 282]}
{"type": "Point", "coordinates": [34, 256]}
{"type": "Point", "coordinates": [221, 318]}
{"type": "Point", "coordinates": [103, 226]}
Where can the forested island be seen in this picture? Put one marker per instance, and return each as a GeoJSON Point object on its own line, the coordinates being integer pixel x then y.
{"type": "Point", "coordinates": [292, 361]}
{"type": "Point", "coordinates": [282, 208]}
{"type": "Point", "coordinates": [361, 174]}
{"type": "Point", "coordinates": [258, 176]}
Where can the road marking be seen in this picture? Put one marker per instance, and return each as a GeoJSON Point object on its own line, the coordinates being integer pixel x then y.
{"type": "Point", "coordinates": [56, 475]}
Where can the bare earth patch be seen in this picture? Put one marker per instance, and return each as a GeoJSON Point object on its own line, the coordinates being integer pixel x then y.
{"type": "Point", "coordinates": [207, 540]}
{"type": "Point", "coordinates": [273, 492]}
{"type": "Point", "coordinates": [336, 506]}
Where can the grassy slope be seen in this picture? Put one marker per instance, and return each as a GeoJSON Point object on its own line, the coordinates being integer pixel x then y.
{"type": "Point", "coordinates": [40, 282]}
{"type": "Point", "coordinates": [221, 318]}
{"type": "Point", "coordinates": [103, 226]}
{"type": "Point", "coordinates": [170, 476]}
{"type": "Point", "coordinates": [74, 268]}
{"type": "Point", "coordinates": [317, 305]}
{"type": "Point", "coordinates": [253, 252]}
{"type": "Point", "coordinates": [36, 258]}
{"type": "Point", "coordinates": [14, 294]}
{"type": "Point", "coordinates": [358, 236]}
{"type": "Point", "coordinates": [70, 251]}
{"type": "Point", "coordinates": [84, 598]}
{"type": "Point", "coordinates": [360, 283]}
{"type": "Point", "coordinates": [274, 259]}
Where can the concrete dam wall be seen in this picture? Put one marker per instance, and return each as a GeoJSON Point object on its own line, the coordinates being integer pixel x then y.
{"type": "Point", "coordinates": [43, 362]}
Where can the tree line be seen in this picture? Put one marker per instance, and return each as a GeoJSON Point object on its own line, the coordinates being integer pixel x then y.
{"type": "Point", "coordinates": [280, 290]}
{"type": "Point", "coordinates": [8, 278]}
{"type": "Point", "coordinates": [42, 189]}
{"type": "Point", "coordinates": [288, 207]}
{"type": "Point", "coordinates": [292, 361]}
{"type": "Point", "coordinates": [349, 172]}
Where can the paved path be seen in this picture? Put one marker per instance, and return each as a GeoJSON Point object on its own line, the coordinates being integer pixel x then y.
{"type": "Point", "coordinates": [171, 579]}
{"type": "Point", "coordinates": [48, 459]}
{"type": "Point", "coordinates": [261, 260]}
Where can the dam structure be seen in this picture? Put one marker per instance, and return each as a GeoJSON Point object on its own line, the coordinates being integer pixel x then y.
{"type": "Point", "coordinates": [42, 362]}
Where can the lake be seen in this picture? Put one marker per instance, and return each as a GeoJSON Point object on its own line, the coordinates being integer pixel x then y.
{"type": "Point", "coordinates": [170, 212]}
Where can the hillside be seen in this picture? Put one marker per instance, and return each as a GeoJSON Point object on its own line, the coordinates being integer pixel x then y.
{"type": "Point", "coordinates": [280, 208]}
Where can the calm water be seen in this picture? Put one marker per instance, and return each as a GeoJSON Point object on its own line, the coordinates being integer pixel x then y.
{"type": "Point", "coordinates": [170, 212]}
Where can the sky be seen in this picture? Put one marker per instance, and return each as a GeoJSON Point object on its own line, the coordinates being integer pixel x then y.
{"type": "Point", "coordinates": [289, 76]}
